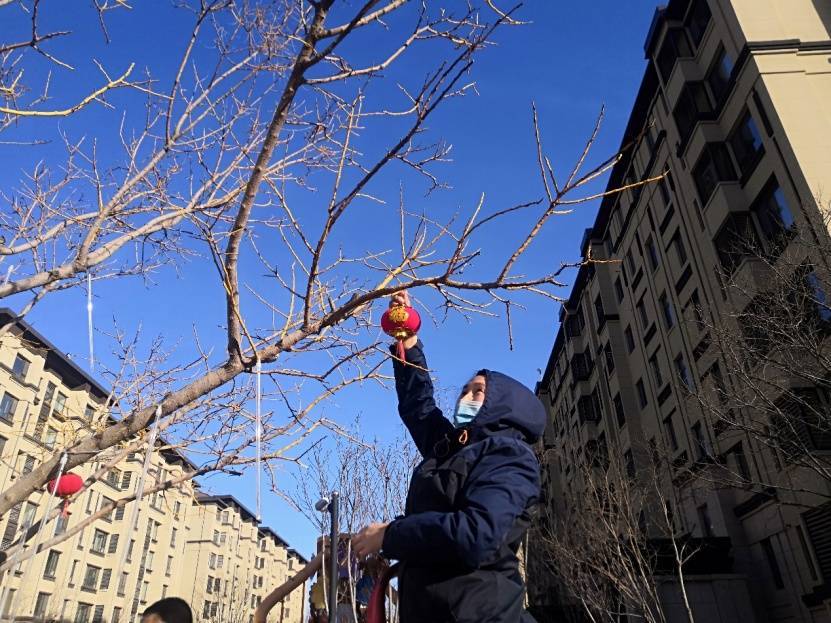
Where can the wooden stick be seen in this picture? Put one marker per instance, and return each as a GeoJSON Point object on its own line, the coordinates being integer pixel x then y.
{"type": "Point", "coordinates": [282, 591]}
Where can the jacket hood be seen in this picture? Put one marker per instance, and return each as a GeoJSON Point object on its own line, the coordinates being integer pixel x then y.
{"type": "Point", "coordinates": [509, 407]}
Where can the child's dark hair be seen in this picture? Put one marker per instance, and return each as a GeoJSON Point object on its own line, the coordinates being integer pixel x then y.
{"type": "Point", "coordinates": [171, 610]}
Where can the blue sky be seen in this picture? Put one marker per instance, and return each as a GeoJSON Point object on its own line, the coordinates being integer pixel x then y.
{"type": "Point", "coordinates": [573, 58]}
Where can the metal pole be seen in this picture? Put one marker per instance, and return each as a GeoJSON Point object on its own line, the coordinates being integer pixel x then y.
{"type": "Point", "coordinates": [333, 558]}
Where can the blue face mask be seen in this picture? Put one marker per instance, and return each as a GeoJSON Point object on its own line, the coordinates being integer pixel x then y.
{"type": "Point", "coordinates": [466, 410]}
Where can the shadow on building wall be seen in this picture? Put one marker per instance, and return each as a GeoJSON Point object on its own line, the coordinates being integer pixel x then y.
{"type": "Point", "coordinates": [823, 8]}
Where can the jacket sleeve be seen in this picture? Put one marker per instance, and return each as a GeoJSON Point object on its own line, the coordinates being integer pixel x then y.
{"type": "Point", "coordinates": [502, 484]}
{"type": "Point", "coordinates": [416, 404]}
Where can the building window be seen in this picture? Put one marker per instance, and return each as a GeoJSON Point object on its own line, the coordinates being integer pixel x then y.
{"type": "Point", "coordinates": [89, 414]}
{"type": "Point", "coordinates": [83, 612]}
{"type": "Point", "coordinates": [575, 323]}
{"type": "Point", "coordinates": [210, 587]}
{"type": "Point", "coordinates": [90, 582]}
{"type": "Point", "coordinates": [8, 406]}
{"type": "Point", "coordinates": [168, 569]}
{"type": "Point", "coordinates": [125, 480]}
{"type": "Point", "coordinates": [618, 290]}
{"type": "Point", "coordinates": [675, 46]}
{"type": "Point", "coordinates": [212, 561]}
{"type": "Point", "coordinates": [695, 305]}
{"type": "Point", "coordinates": [693, 103]}
{"type": "Point", "coordinates": [718, 76]}
{"type": "Point", "coordinates": [735, 241]}
{"type": "Point", "coordinates": [610, 358]}
{"type": "Point", "coordinates": [630, 262]}
{"type": "Point", "coordinates": [589, 408]}
{"type": "Point", "coordinates": [683, 371]}
{"type": "Point", "coordinates": [72, 570]}
{"type": "Point", "coordinates": [105, 579]}
{"type": "Point", "coordinates": [99, 541]}
{"type": "Point", "coordinates": [599, 312]}
{"type": "Point", "coordinates": [667, 310]}
{"type": "Point", "coordinates": [122, 584]}
{"type": "Point", "coordinates": [629, 460]}
{"type": "Point", "coordinates": [19, 369]}
{"type": "Point", "coordinates": [620, 414]}
{"type": "Point", "coordinates": [60, 405]}
{"type": "Point", "coordinates": [630, 340]}
{"type": "Point", "coordinates": [116, 615]}
{"type": "Point", "coordinates": [652, 252]}
{"type": "Point", "coordinates": [51, 565]}
{"type": "Point", "coordinates": [698, 19]}
{"type": "Point", "coordinates": [642, 314]}
{"type": "Point", "coordinates": [41, 605]}
{"type": "Point", "coordinates": [680, 250]}
{"type": "Point", "coordinates": [669, 429]}
{"type": "Point", "coordinates": [28, 464]}
{"type": "Point", "coordinates": [3, 441]}
{"type": "Point", "coordinates": [746, 142]}
{"type": "Point", "coordinates": [130, 547]}
{"type": "Point", "coordinates": [806, 553]}
{"type": "Point", "coordinates": [655, 366]}
{"type": "Point", "coordinates": [50, 438]}
{"type": "Point", "coordinates": [642, 401]}
{"type": "Point", "coordinates": [772, 212]}
{"type": "Point", "coordinates": [713, 167]}
{"type": "Point", "coordinates": [773, 564]}
{"type": "Point", "coordinates": [113, 544]}
{"type": "Point", "coordinates": [144, 588]}
{"type": "Point", "coordinates": [700, 443]}
{"type": "Point", "coordinates": [173, 533]}
{"type": "Point", "coordinates": [98, 614]}
{"type": "Point", "coordinates": [119, 513]}
{"type": "Point", "coordinates": [818, 298]}
{"type": "Point", "coordinates": [112, 478]}
{"type": "Point", "coordinates": [742, 469]}
{"type": "Point", "coordinates": [704, 521]}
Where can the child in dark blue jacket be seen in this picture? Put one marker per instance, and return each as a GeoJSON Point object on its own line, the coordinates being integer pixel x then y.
{"type": "Point", "coordinates": [469, 501]}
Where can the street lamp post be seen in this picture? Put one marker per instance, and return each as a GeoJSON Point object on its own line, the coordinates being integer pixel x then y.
{"type": "Point", "coordinates": [331, 505]}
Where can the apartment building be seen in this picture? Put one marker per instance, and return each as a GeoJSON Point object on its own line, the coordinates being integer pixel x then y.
{"type": "Point", "coordinates": [234, 563]}
{"type": "Point", "coordinates": [46, 402]}
{"type": "Point", "coordinates": [735, 108]}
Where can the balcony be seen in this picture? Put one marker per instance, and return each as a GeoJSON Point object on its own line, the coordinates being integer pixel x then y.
{"type": "Point", "coordinates": [582, 366]}
{"type": "Point", "coordinates": [727, 199]}
{"type": "Point", "coordinates": [706, 131]}
{"type": "Point", "coordinates": [685, 70]}
{"type": "Point", "coordinates": [752, 275]}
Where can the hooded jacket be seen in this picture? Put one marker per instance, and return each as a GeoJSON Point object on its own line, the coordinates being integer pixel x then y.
{"type": "Point", "coordinates": [469, 501]}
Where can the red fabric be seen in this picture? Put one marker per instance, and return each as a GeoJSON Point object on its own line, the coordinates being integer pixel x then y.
{"type": "Point", "coordinates": [376, 610]}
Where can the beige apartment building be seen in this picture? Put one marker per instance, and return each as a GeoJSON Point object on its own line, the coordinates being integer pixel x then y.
{"type": "Point", "coordinates": [46, 401]}
{"type": "Point", "coordinates": [735, 107]}
{"type": "Point", "coordinates": [233, 563]}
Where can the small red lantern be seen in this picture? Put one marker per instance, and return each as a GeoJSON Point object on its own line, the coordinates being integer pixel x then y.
{"type": "Point", "coordinates": [401, 322]}
{"type": "Point", "coordinates": [67, 485]}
